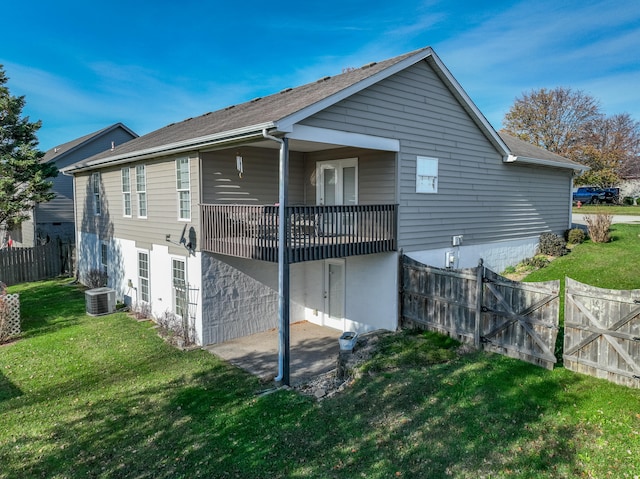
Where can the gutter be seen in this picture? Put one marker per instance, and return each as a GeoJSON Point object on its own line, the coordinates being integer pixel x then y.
{"type": "Point", "coordinates": [254, 131]}
{"type": "Point", "coordinates": [541, 162]}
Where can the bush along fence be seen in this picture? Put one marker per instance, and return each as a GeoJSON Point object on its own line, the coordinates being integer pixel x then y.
{"type": "Point", "coordinates": [9, 315]}
{"type": "Point", "coordinates": [19, 265]}
{"type": "Point", "coordinates": [521, 320]}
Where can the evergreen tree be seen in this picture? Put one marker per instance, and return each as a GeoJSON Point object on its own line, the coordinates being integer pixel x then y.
{"type": "Point", "coordinates": [24, 179]}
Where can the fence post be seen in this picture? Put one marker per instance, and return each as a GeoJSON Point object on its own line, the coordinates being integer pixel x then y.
{"type": "Point", "coordinates": [479, 300]}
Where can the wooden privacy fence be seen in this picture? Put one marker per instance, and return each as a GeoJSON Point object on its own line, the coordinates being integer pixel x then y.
{"type": "Point", "coordinates": [18, 265]}
{"type": "Point", "coordinates": [602, 332]}
{"type": "Point", "coordinates": [480, 307]}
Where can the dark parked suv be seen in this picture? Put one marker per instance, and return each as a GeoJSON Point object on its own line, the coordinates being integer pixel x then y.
{"type": "Point", "coordinates": [594, 195]}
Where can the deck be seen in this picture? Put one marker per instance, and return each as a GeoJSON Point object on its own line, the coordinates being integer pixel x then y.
{"type": "Point", "coordinates": [314, 232]}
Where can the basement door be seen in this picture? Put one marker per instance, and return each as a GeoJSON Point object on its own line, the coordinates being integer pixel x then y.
{"type": "Point", "coordinates": [334, 294]}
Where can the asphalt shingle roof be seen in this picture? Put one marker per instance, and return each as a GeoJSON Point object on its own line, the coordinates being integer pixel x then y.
{"type": "Point", "coordinates": [257, 111]}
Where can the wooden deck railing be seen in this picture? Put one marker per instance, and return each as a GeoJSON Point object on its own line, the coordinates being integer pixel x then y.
{"type": "Point", "coordinates": [314, 232]}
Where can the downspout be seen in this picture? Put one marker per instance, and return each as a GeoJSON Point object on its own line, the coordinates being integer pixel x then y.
{"type": "Point", "coordinates": [283, 262]}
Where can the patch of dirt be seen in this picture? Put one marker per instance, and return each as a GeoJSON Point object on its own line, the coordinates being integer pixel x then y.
{"type": "Point", "coordinates": [337, 380]}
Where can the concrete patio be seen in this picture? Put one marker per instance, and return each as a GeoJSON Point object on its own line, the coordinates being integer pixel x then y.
{"type": "Point", "coordinates": [314, 350]}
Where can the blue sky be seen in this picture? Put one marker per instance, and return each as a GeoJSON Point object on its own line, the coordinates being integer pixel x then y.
{"type": "Point", "coordinates": [86, 65]}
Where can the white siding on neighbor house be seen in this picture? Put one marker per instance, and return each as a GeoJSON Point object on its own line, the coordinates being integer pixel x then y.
{"type": "Point", "coordinates": [478, 195]}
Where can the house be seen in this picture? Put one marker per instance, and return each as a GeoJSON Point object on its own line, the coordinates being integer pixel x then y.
{"type": "Point", "coordinates": [345, 174]}
{"type": "Point", "coordinates": [54, 219]}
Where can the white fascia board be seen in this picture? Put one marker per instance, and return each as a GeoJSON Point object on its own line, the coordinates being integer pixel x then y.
{"type": "Point", "coordinates": [177, 147]}
{"type": "Point", "coordinates": [472, 108]}
{"type": "Point", "coordinates": [337, 137]}
{"type": "Point", "coordinates": [286, 124]}
{"type": "Point", "coordinates": [541, 162]}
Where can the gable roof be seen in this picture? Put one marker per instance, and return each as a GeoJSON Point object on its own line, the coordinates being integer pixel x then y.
{"type": "Point", "coordinates": [524, 152]}
{"type": "Point", "coordinates": [60, 151]}
{"type": "Point", "coordinates": [278, 113]}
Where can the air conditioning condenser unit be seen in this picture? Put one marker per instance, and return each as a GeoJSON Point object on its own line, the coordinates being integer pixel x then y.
{"type": "Point", "coordinates": [100, 301]}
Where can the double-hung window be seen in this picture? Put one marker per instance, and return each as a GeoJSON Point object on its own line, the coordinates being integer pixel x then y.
{"type": "Point", "coordinates": [95, 191]}
{"type": "Point", "coordinates": [126, 191]}
{"type": "Point", "coordinates": [141, 189]}
{"type": "Point", "coordinates": [426, 175]}
{"type": "Point", "coordinates": [180, 290]}
{"type": "Point", "coordinates": [143, 277]}
{"type": "Point", "coordinates": [183, 186]}
{"type": "Point", "coordinates": [104, 256]}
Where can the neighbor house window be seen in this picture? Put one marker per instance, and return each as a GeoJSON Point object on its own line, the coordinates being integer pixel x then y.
{"type": "Point", "coordinates": [126, 191]}
{"type": "Point", "coordinates": [95, 190]}
{"type": "Point", "coordinates": [426, 175]}
{"type": "Point", "coordinates": [143, 277]}
{"type": "Point", "coordinates": [141, 189]}
{"type": "Point", "coordinates": [180, 301]}
{"type": "Point", "coordinates": [183, 186]}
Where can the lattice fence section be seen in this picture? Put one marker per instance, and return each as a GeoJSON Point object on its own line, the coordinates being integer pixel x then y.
{"type": "Point", "coordinates": [9, 316]}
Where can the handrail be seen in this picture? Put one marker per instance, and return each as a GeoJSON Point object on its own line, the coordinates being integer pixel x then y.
{"type": "Point", "coordinates": [313, 232]}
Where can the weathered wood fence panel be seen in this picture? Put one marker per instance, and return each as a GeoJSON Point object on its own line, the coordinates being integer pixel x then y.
{"type": "Point", "coordinates": [480, 307]}
{"type": "Point", "coordinates": [19, 265]}
{"type": "Point", "coordinates": [440, 300]}
{"type": "Point", "coordinates": [602, 332]}
{"type": "Point", "coordinates": [520, 320]}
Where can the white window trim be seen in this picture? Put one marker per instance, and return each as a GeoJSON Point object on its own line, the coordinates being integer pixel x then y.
{"type": "Point", "coordinates": [142, 278]}
{"type": "Point", "coordinates": [427, 170]}
{"type": "Point", "coordinates": [182, 260]}
{"type": "Point", "coordinates": [139, 192]}
{"type": "Point", "coordinates": [181, 190]}
{"type": "Point", "coordinates": [126, 192]}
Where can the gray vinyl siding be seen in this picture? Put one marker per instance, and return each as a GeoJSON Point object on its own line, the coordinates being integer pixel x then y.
{"type": "Point", "coordinates": [259, 184]}
{"type": "Point", "coordinates": [478, 195]}
{"type": "Point", "coordinates": [60, 209]}
{"type": "Point", "coordinates": [162, 204]}
{"type": "Point", "coordinates": [376, 174]}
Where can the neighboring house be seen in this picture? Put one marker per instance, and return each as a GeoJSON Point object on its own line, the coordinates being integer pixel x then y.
{"type": "Point", "coordinates": [54, 219]}
{"type": "Point", "coordinates": [386, 159]}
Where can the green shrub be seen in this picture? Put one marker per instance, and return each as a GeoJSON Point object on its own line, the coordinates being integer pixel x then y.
{"type": "Point", "coordinates": [628, 200]}
{"type": "Point", "coordinates": [537, 262]}
{"type": "Point", "coordinates": [637, 201]}
{"type": "Point", "coordinates": [552, 244]}
{"type": "Point", "coordinates": [575, 236]}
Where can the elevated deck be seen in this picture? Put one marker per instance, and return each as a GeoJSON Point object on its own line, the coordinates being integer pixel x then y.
{"type": "Point", "coordinates": [313, 232]}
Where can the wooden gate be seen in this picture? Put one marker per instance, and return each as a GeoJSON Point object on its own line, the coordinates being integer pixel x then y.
{"type": "Point", "coordinates": [520, 320]}
{"type": "Point", "coordinates": [602, 332]}
{"type": "Point", "coordinates": [516, 319]}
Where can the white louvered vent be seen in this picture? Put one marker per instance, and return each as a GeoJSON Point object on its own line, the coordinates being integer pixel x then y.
{"type": "Point", "coordinates": [100, 301]}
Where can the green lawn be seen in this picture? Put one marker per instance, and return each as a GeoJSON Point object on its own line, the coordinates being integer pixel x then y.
{"type": "Point", "coordinates": [104, 397]}
{"type": "Point", "coordinates": [609, 209]}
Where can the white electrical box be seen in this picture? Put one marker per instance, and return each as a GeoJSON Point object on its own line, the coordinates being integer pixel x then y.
{"type": "Point", "coordinates": [456, 240]}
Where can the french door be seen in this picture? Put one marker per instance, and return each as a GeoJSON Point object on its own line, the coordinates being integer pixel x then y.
{"type": "Point", "coordinates": [337, 184]}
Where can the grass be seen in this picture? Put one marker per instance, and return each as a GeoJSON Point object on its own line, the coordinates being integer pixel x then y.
{"type": "Point", "coordinates": [612, 265]}
{"type": "Point", "coordinates": [609, 209]}
{"type": "Point", "coordinates": [104, 397]}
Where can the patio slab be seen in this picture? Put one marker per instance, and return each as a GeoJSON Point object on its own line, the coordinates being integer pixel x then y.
{"type": "Point", "coordinates": [314, 350]}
